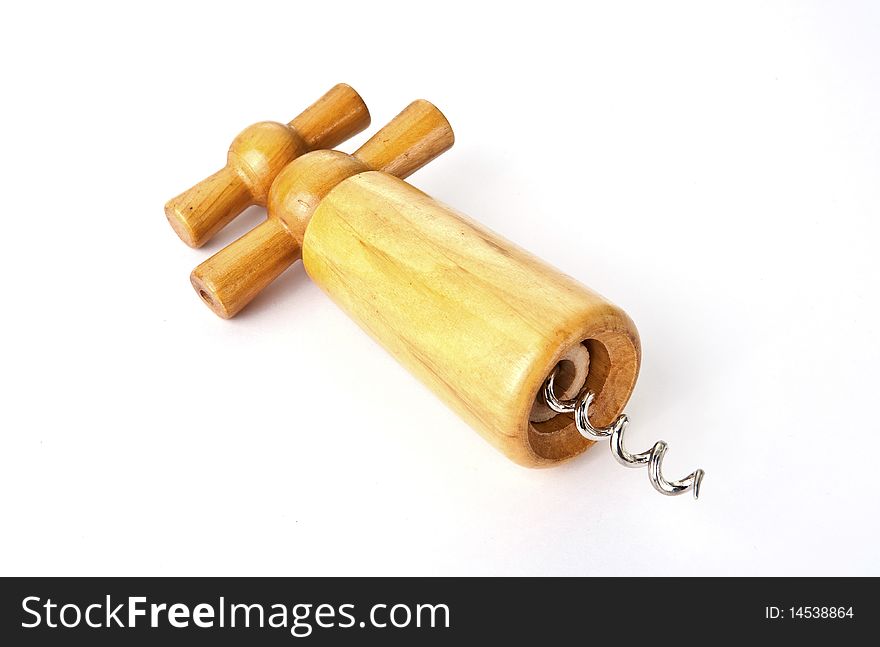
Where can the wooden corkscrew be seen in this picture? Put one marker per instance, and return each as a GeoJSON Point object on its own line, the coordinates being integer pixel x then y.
{"type": "Point", "coordinates": [540, 365]}
{"type": "Point", "coordinates": [256, 156]}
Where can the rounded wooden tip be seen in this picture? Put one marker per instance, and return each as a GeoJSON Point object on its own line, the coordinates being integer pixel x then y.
{"type": "Point", "coordinates": [200, 212]}
{"type": "Point", "coordinates": [206, 290]}
{"type": "Point", "coordinates": [232, 277]}
{"type": "Point", "coordinates": [409, 141]}
{"type": "Point", "coordinates": [180, 225]}
{"type": "Point", "coordinates": [338, 115]}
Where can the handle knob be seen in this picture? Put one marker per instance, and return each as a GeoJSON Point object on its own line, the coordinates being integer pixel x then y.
{"type": "Point", "coordinates": [230, 279]}
{"type": "Point", "coordinates": [255, 158]}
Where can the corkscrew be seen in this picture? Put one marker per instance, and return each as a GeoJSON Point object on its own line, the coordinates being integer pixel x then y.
{"type": "Point", "coordinates": [653, 458]}
{"type": "Point", "coordinates": [466, 311]}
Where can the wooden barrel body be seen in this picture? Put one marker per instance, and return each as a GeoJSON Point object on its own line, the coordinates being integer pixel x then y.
{"type": "Point", "coordinates": [479, 320]}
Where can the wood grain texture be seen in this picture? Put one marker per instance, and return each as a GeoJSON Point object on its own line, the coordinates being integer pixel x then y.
{"type": "Point", "coordinates": [479, 320]}
{"type": "Point", "coordinates": [230, 279]}
{"type": "Point", "coordinates": [255, 158]}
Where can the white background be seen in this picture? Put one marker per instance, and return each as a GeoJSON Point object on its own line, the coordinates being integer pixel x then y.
{"type": "Point", "coordinates": [714, 171]}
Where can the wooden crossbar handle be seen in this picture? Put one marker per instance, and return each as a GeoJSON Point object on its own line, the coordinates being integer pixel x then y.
{"type": "Point", "coordinates": [255, 158]}
{"type": "Point", "coordinates": [230, 279]}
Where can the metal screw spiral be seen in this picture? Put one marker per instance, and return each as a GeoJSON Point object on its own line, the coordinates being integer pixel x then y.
{"type": "Point", "coordinates": [653, 458]}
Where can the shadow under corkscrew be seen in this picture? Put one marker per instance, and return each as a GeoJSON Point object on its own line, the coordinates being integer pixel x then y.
{"type": "Point", "coordinates": [653, 458]}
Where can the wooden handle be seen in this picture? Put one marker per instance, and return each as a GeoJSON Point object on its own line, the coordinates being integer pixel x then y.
{"type": "Point", "coordinates": [479, 320]}
{"type": "Point", "coordinates": [200, 212]}
{"type": "Point", "coordinates": [409, 141]}
{"type": "Point", "coordinates": [335, 117]}
{"type": "Point", "coordinates": [230, 279]}
{"type": "Point", "coordinates": [255, 158]}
